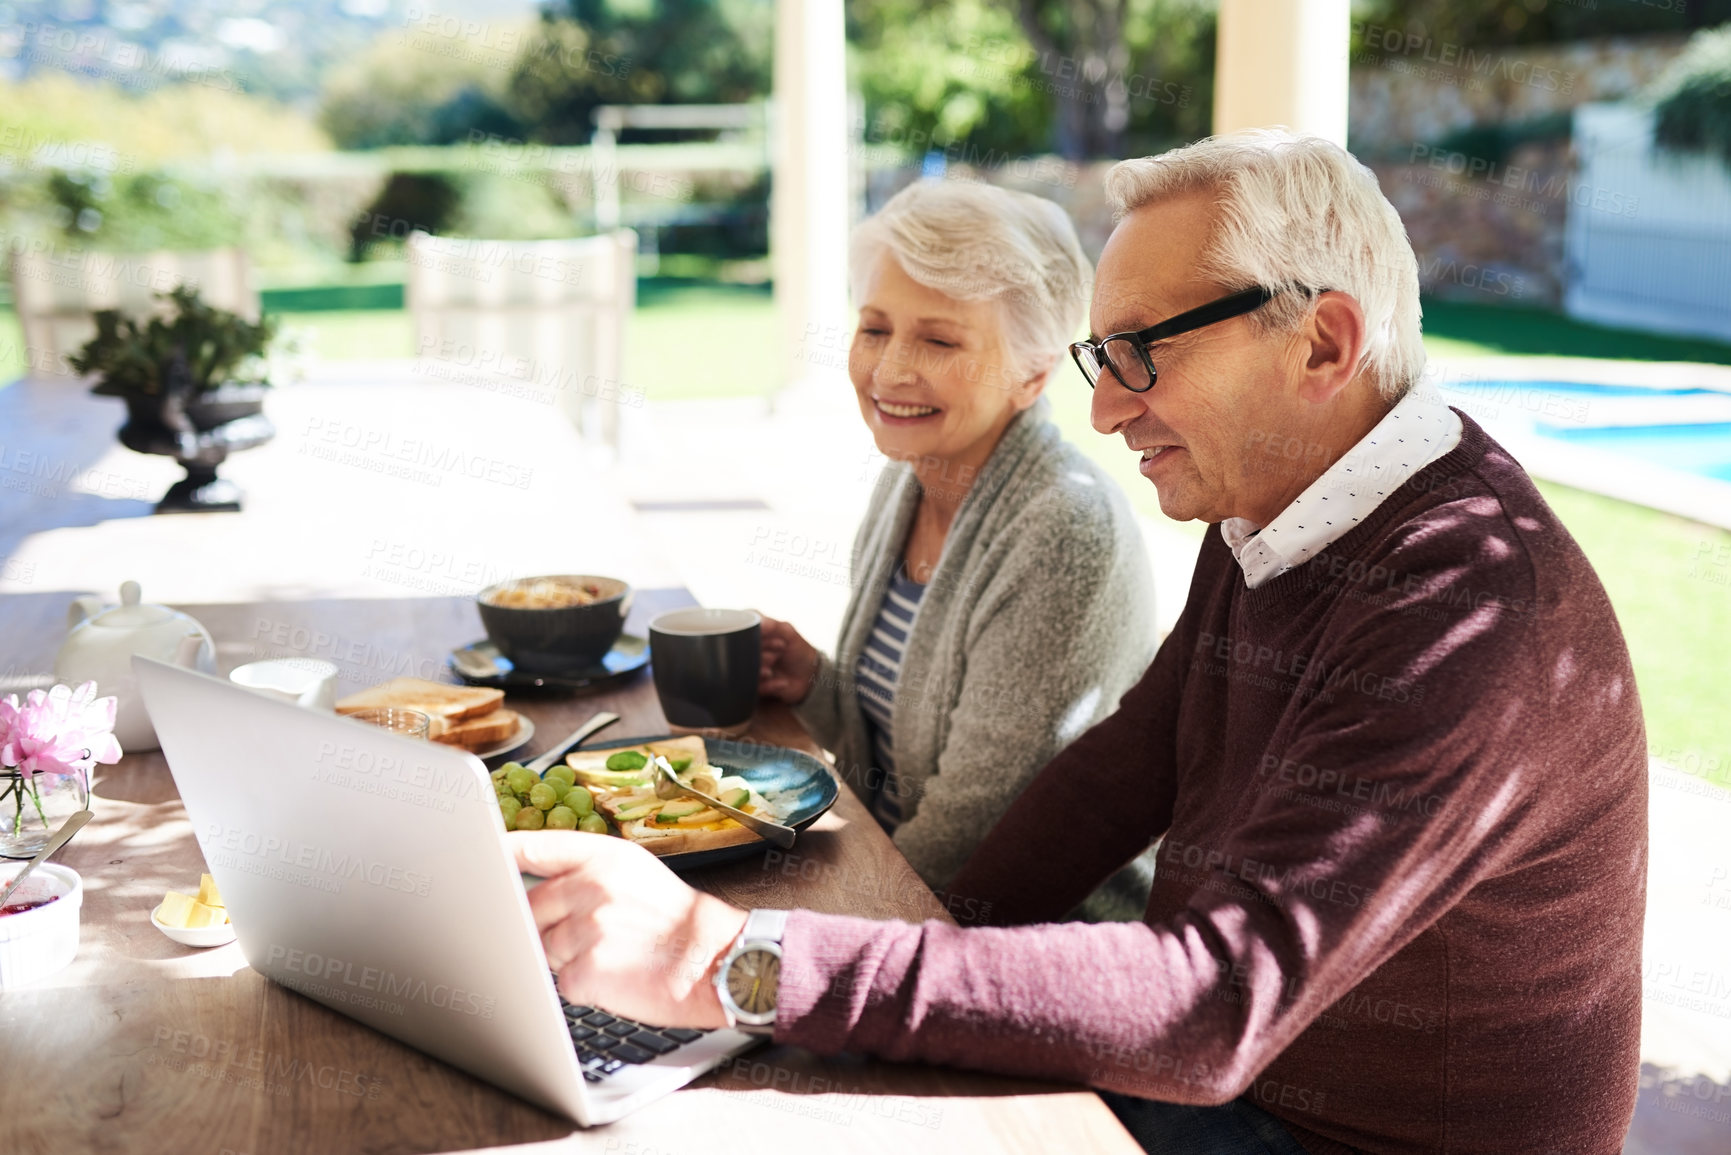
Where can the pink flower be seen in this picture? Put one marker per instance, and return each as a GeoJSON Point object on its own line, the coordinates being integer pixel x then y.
{"type": "Point", "coordinates": [57, 731]}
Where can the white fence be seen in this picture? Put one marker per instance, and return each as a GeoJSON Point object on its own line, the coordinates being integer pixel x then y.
{"type": "Point", "coordinates": [1648, 241]}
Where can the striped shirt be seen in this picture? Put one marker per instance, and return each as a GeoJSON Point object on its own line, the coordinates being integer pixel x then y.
{"type": "Point", "coordinates": [880, 664]}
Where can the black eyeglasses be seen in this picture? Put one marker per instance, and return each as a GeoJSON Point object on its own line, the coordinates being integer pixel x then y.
{"type": "Point", "coordinates": [1126, 354]}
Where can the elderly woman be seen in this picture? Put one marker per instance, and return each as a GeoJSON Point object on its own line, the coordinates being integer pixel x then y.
{"type": "Point", "coordinates": [1001, 597]}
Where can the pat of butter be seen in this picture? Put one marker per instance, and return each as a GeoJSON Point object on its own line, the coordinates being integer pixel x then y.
{"type": "Point", "coordinates": [207, 892]}
{"type": "Point", "coordinates": [176, 908]}
{"type": "Point", "coordinates": [203, 915]}
{"type": "Point", "coordinates": [186, 912]}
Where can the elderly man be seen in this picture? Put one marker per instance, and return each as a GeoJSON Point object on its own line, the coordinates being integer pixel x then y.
{"type": "Point", "coordinates": [1392, 750]}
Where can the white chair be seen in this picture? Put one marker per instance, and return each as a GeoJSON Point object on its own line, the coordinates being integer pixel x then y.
{"type": "Point", "coordinates": [549, 316]}
{"type": "Point", "coordinates": [56, 290]}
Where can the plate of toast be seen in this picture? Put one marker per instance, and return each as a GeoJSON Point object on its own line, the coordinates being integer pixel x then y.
{"type": "Point", "coordinates": [472, 717]}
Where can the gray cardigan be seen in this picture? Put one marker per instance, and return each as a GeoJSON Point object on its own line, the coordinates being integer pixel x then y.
{"type": "Point", "coordinates": [1038, 617]}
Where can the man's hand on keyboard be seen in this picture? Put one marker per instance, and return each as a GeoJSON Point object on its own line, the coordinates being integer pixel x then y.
{"type": "Point", "coordinates": [622, 931]}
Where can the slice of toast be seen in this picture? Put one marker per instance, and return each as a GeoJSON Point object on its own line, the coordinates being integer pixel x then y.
{"type": "Point", "coordinates": [480, 733]}
{"type": "Point", "coordinates": [592, 764]}
{"type": "Point", "coordinates": [441, 700]}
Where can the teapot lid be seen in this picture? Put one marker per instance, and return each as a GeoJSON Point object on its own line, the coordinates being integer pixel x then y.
{"type": "Point", "coordinates": [130, 613]}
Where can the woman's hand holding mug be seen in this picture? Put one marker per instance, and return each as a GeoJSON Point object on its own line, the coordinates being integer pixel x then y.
{"type": "Point", "coordinates": [789, 663]}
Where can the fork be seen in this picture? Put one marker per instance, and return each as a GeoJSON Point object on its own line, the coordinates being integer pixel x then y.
{"type": "Point", "coordinates": [668, 786]}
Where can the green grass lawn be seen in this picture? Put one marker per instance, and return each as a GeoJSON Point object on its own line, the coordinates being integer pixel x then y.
{"type": "Point", "coordinates": [1458, 329]}
{"type": "Point", "coordinates": [1670, 583]}
{"type": "Point", "coordinates": [11, 348]}
{"type": "Point", "coordinates": [692, 340]}
{"type": "Point", "coordinates": [355, 334]}
{"type": "Point", "coordinates": [348, 335]}
{"type": "Point", "coordinates": [686, 340]}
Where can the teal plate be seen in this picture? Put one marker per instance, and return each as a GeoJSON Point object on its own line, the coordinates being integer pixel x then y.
{"type": "Point", "coordinates": [807, 789]}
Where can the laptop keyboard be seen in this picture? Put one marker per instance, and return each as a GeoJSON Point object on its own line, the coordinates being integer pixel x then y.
{"type": "Point", "coordinates": [608, 1043]}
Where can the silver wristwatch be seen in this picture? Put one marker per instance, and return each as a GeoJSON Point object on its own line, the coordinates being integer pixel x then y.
{"type": "Point", "coordinates": [749, 977]}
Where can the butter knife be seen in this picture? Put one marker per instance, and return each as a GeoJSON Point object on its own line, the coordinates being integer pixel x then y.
{"type": "Point", "coordinates": [545, 762]}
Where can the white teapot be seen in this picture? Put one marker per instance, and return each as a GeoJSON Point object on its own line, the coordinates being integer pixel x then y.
{"type": "Point", "coordinates": [100, 647]}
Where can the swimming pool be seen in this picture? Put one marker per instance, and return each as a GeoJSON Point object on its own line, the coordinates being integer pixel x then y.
{"type": "Point", "coordinates": [1684, 430]}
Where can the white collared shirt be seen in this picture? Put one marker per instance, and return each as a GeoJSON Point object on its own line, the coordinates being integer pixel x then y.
{"type": "Point", "coordinates": [1417, 431]}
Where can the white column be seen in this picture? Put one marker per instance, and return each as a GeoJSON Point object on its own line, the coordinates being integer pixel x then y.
{"type": "Point", "coordinates": [809, 206]}
{"type": "Point", "coordinates": [1283, 62]}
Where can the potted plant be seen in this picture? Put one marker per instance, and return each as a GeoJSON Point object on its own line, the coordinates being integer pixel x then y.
{"type": "Point", "coordinates": [49, 744]}
{"type": "Point", "coordinates": [194, 383]}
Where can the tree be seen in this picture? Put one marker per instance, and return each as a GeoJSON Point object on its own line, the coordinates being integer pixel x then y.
{"type": "Point", "coordinates": [938, 75]}
{"type": "Point", "coordinates": [586, 53]}
{"type": "Point", "coordinates": [1095, 78]}
{"type": "Point", "coordinates": [417, 87]}
{"type": "Point", "coordinates": [1081, 49]}
{"type": "Point", "coordinates": [1484, 23]}
{"type": "Point", "coordinates": [1692, 100]}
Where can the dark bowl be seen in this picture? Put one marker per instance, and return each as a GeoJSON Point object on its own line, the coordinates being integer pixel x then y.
{"type": "Point", "coordinates": [558, 640]}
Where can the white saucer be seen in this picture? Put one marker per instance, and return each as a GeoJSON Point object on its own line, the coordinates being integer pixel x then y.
{"type": "Point", "coordinates": [198, 936]}
{"type": "Point", "coordinates": [525, 731]}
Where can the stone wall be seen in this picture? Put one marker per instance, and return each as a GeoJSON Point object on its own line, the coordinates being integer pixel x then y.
{"type": "Point", "coordinates": [1494, 235]}
{"type": "Point", "coordinates": [1486, 228]}
{"type": "Point", "coordinates": [1490, 232]}
{"type": "Point", "coordinates": [1429, 88]}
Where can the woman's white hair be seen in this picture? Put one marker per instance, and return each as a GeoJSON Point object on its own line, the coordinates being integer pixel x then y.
{"type": "Point", "coordinates": [975, 242]}
{"type": "Point", "coordinates": [1297, 213]}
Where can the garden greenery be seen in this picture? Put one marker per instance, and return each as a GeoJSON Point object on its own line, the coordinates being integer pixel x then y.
{"type": "Point", "coordinates": [1693, 98]}
{"type": "Point", "coordinates": [215, 346]}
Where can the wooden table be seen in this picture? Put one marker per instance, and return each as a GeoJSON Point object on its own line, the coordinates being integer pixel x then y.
{"type": "Point", "coordinates": [145, 1046]}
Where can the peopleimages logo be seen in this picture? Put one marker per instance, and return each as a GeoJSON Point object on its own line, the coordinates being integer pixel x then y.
{"type": "Point", "coordinates": [301, 856]}
{"type": "Point", "coordinates": [329, 972]}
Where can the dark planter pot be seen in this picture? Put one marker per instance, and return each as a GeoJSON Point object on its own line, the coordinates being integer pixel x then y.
{"type": "Point", "coordinates": [199, 432]}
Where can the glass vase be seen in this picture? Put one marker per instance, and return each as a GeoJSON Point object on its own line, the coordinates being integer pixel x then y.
{"type": "Point", "coordinates": [31, 810]}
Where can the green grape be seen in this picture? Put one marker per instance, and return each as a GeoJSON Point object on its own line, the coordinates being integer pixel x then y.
{"type": "Point", "coordinates": [627, 760]}
{"type": "Point", "coordinates": [521, 779]}
{"type": "Point", "coordinates": [509, 807]}
{"type": "Point", "coordinates": [529, 818]}
{"type": "Point", "coordinates": [560, 773]}
{"type": "Point", "coordinates": [510, 766]}
{"type": "Point", "coordinates": [543, 796]}
{"type": "Point", "coordinates": [592, 823]}
{"type": "Point", "coordinates": [579, 800]}
{"type": "Point", "coordinates": [561, 818]}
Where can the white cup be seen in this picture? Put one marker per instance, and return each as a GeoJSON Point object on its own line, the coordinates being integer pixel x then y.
{"type": "Point", "coordinates": [304, 681]}
{"type": "Point", "coordinates": [36, 943]}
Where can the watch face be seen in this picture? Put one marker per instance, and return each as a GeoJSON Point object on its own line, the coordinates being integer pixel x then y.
{"type": "Point", "coordinates": [752, 981]}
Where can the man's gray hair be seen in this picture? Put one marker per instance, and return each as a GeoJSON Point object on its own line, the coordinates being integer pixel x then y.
{"type": "Point", "coordinates": [975, 242]}
{"type": "Point", "coordinates": [1297, 213]}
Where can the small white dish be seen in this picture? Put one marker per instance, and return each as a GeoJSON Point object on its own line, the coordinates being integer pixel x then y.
{"type": "Point", "coordinates": [36, 943]}
{"type": "Point", "coordinates": [195, 936]}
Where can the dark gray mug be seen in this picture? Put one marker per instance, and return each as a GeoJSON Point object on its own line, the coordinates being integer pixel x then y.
{"type": "Point", "coordinates": [705, 664]}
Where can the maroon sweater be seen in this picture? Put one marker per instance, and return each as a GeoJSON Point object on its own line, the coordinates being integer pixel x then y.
{"type": "Point", "coordinates": [1403, 794]}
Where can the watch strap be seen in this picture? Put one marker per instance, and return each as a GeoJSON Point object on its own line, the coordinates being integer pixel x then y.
{"type": "Point", "coordinates": [764, 926]}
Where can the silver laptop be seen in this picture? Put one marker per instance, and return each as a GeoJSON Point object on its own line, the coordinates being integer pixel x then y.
{"type": "Point", "coordinates": [367, 871]}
